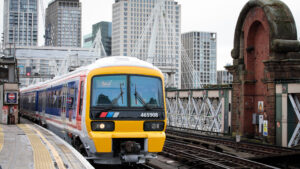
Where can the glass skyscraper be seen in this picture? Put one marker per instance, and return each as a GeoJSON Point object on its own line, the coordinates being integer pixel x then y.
{"type": "Point", "coordinates": [105, 28]}
{"type": "Point", "coordinates": [88, 41]}
{"type": "Point", "coordinates": [20, 25]}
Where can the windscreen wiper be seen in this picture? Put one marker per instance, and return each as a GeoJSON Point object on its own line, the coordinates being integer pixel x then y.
{"type": "Point", "coordinates": [139, 98]}
{"type": "Point", "coordinates": [115, 100]}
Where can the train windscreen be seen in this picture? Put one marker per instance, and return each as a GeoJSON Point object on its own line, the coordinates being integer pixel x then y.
{"type": "Point", "coordinates": [127, 97]}
{"type": "Point", "coordinates": [146, 91]}
{"type": "Point", "coordinates": [109, 90]}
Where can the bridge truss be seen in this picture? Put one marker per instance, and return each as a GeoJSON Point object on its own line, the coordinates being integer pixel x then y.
{"type": "Point", "coordinates": [296, 133]}
{"type": "Point", "coordinates": [206, 110]}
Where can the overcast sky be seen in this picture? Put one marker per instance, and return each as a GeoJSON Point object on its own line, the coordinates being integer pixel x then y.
{"type": "Point", "coordinates": [196, 15]}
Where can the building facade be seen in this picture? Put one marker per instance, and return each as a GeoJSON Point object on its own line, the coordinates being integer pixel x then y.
{"type": "Point", "coordinates": [104, 37]}
{"type": "Point", "coordinates": [224, 77]}
{"type": "Point", "coordinates": [201, 48]}
{"type": "Point", "coordinates": [20, 22]}
{"type": "Point", "coordinates": [37, 64]}
{"type": "Point", "coordinates": [63, 23]}
{"type": "Point", "coordinates": [106, 29]}
{"type": "Point", "coordinates": [134, 26]}
{"type": "Point", "coordinates": [88, 41]}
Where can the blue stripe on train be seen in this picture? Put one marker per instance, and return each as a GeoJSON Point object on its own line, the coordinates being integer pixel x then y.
{"type": "Point", "coordinates": [110, 114]}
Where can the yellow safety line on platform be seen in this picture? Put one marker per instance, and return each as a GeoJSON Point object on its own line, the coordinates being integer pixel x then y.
{"type": "Point", "coordinates": [55, 154]}
{"type": "Point", "coordinates": [41, 155]}
{"type": "Point", "coordinates": [1, 138]}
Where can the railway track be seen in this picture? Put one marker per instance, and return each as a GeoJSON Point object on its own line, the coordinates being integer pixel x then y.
{"type": "Point", "coordinates": [128, 166]}
{"type": "Point", "coordinates": [142, 166]}
{"type": "Point", "coordinates": [244, 147]}
{"type": "Point", "coordinates": [198, 157]}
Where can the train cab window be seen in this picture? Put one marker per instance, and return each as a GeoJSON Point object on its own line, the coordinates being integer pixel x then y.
{"type": "Point", "coordinates": [81, 97]}
{"type": "Point", "coordinates": [109, 91]}
{"type": "Point", "coordinates": [146, 91]}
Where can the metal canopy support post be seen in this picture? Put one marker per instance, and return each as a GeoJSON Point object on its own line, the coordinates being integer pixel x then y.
{"type": "Point", "coordinates": [296, 134]}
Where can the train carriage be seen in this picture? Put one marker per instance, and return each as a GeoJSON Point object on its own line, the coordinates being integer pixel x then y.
{"type": "Point", "coordinates": [112, 111]}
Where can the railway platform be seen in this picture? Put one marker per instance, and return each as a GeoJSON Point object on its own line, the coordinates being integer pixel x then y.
{"type": "Point", "coordinates": [29, 146]}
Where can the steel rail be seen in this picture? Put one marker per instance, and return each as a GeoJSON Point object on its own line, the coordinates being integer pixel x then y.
{"type": "Point", "coordinates": [211, 157]}
{"type": "Point", "coordinates": [257, 149]}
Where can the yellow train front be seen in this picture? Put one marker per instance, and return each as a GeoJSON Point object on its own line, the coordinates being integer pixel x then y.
{"type": "Point", "coordinates": [125, 112]}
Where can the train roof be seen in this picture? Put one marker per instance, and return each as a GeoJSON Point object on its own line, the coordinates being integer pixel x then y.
{"type": "Point", "coordinates": [120, 61]}
{"type": "Point", "coordinates": [111, 61]}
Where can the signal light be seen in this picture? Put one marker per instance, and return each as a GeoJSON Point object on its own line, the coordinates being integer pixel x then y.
{"type": "Point", "coordinates": [28, 71]}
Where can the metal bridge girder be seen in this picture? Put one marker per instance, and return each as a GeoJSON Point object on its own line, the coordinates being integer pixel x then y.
{"type": "Point", "coordinates": [192, 113]}
{"type": "Point", "coordinates": [198, 113]}
{"type": "Point", "coordinates": [215, 114]}
{"type": "Point", "coordinates": [296, 134]}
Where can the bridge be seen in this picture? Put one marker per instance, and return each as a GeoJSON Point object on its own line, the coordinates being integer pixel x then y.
{"type": "Point", "coordinates": [252, 123]}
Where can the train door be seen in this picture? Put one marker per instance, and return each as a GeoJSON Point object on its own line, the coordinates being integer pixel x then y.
{"type": "Point", "coordinates": [71, 102]}
{"type": "Point", "coordinates": [80, 103]}
{"type": "Point", "coordinates": [64, 106]}
{"type": "Point", "coordinates": [43, 102]}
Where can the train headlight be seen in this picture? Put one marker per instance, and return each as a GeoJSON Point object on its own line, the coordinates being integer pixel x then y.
{"type": "Point", "coordinates": [103, 126]}
{"type": "Point", "coordinates": [154, 126]}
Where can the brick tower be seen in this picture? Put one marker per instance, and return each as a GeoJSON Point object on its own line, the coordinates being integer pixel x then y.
{"type": "Point", "coordinates": [266, 50]}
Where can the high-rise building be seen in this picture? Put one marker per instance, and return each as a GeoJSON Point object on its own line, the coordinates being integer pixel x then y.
{"type": "Point", "coordinates": [105, 36]}
{"type": "Point", "coordinates": [105, 28]}
{"type": "Point", "coordinates": [133, 31]}
{"type": "Point", "coordinates": [20, 24]}
{"type": "Point", "coordinates": [88, 41]}
{"type": "Point", "coordinates": [201, 48]}
{"type": "Point", "coordinates": [63, 23]}
{"type": "Point", "coordinates": [224, 77]}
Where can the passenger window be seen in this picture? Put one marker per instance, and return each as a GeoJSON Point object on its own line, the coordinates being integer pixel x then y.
{"type": "Point", "coordinates": [59, 98]}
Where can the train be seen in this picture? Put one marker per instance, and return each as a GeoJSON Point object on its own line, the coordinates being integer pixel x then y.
{"type": "Point", "coordinates": [112, 111]}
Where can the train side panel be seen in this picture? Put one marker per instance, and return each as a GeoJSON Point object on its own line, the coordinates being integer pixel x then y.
{"type": "Point", "coordinates": [64, 106]}
{"type": "Point", "coordinates": [57, 106]}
